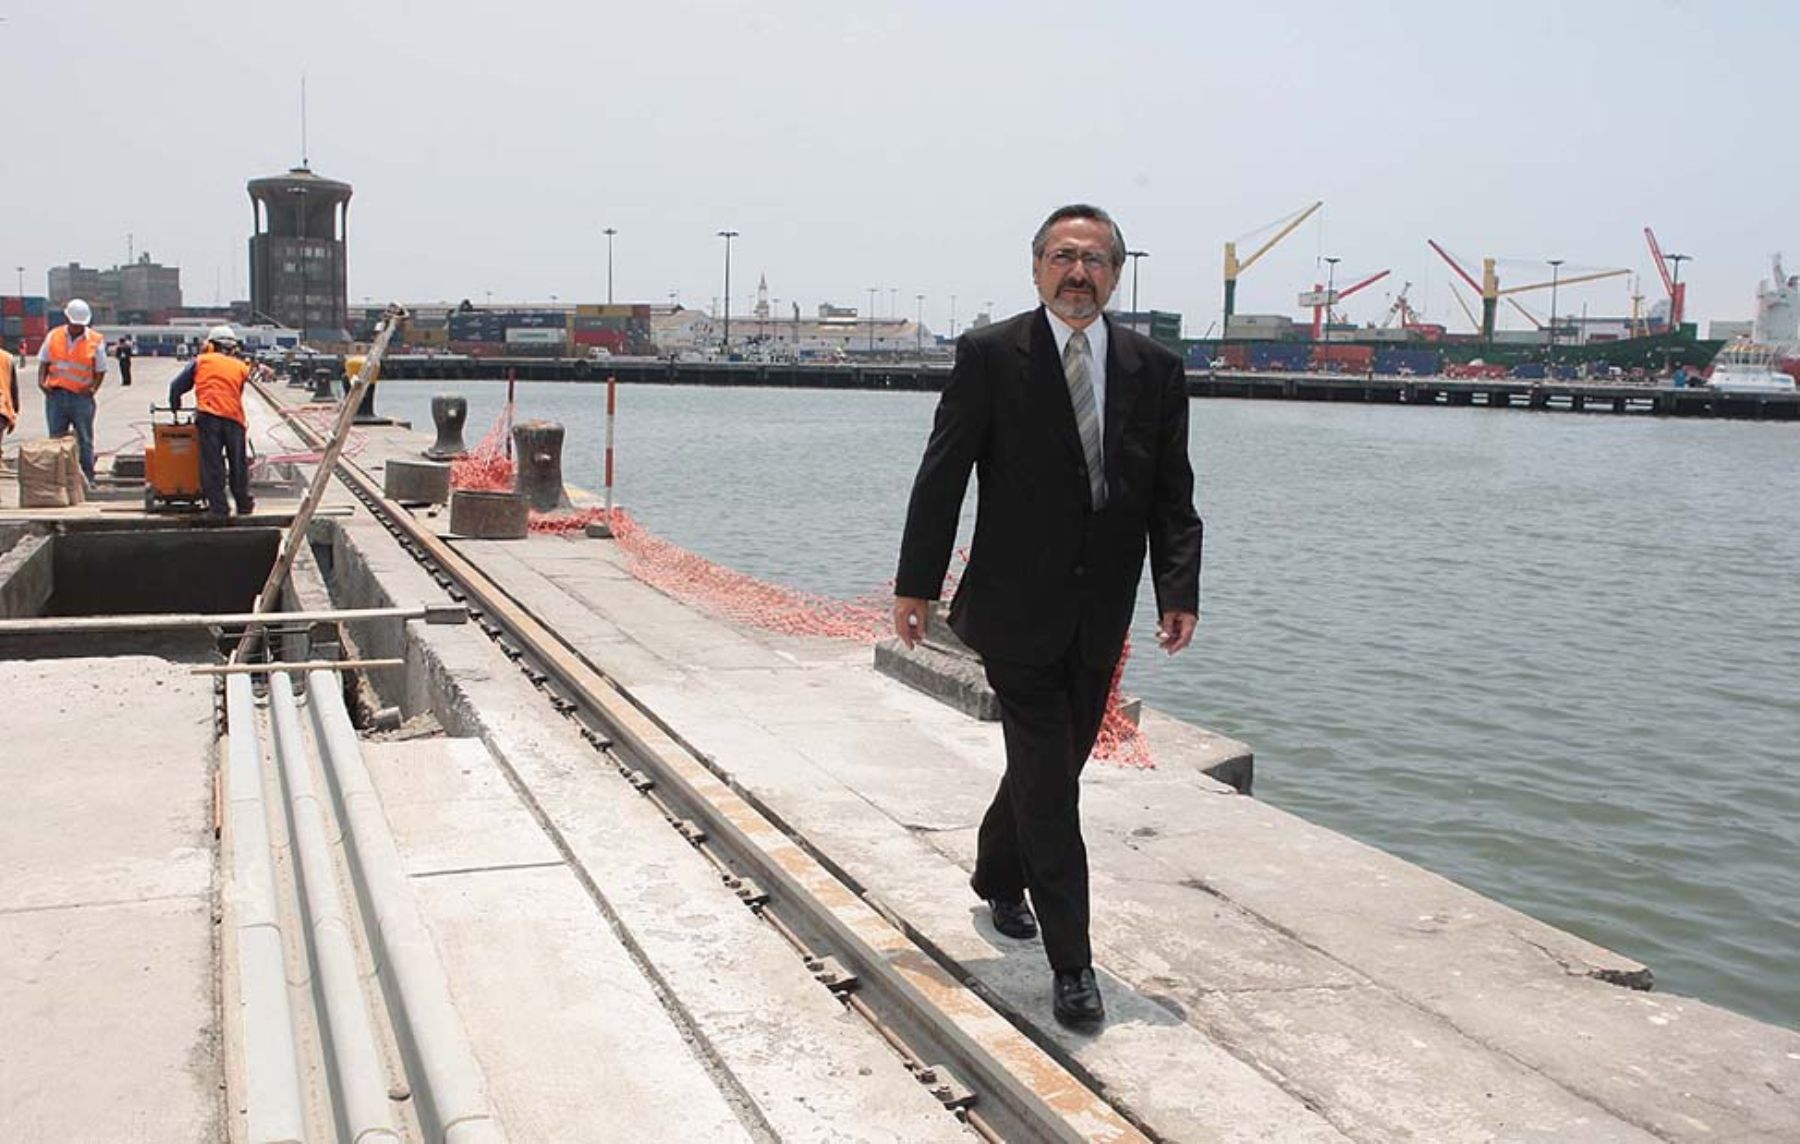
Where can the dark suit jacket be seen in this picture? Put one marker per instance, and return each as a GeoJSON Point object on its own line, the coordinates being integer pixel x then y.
{"type": "Point", "coordinates": [1045, 570]}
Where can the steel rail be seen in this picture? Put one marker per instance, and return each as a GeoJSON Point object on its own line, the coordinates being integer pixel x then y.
{"type": "Point", "coordinates": [1016, 1089]}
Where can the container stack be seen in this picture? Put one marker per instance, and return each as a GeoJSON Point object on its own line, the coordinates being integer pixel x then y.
{"type": "Point", "coordinates": [24, 319]}
{"type": "Point", "coordinates": [619, 329]}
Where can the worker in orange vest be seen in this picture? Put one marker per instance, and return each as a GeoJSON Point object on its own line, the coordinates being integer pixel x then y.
{"type": "Point", "coordinates": [9, 392]}
{"type": "Point", "coordinates": [71, 368]}
{"type": "Point", "coordinates": [217, 377]}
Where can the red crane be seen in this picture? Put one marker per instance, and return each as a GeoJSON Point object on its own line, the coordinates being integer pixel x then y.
{"type": "Point", "coordinates": [1320, 303]}
{"type": "Point", "coordinates": [1677, 292]}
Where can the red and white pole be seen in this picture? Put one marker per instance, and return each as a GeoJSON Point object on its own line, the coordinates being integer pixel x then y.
{"type": "Point", "coordinates": [512, 383]}
{"type": "Point", "coordinates": [612, 407]}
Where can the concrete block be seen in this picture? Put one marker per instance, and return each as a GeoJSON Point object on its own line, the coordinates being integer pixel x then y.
{"type": "Point", "coordinates": [952, 679]}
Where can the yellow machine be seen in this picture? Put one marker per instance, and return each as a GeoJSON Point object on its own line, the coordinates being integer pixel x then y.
{"type": "Point", "coordinates": [172, 461]}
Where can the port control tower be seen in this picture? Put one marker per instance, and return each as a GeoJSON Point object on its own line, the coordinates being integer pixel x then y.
{"type": "Point", "coordinates": [297, 247]}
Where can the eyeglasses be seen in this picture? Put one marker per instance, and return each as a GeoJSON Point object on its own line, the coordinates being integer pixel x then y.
{"type": "Point", "coordinates": [1066, 257]}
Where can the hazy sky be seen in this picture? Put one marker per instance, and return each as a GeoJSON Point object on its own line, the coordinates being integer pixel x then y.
{"type": "Point", "coordinates": [914, 147]}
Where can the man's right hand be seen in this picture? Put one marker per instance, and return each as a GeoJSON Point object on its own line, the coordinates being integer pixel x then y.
{"type": "Point", "coordinates": [911, 616]}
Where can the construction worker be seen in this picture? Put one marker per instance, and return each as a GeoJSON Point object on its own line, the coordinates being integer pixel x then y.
{"type": "Point", "coordinates": [71, 369]}
{"type": "Point", "coordinates": [217, 377]}
{"type": "Point", "coordinates": [9, 392]}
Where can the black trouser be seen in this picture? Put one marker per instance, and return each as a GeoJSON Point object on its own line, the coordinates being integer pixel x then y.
{"type": "Point", "coordinates": [124, 369]}
{"type": "Point", "coordinates": [222, 446]}
{"type": "Point", "coordinates": [1031, 835]}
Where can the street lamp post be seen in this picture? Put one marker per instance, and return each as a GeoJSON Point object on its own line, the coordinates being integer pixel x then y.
{"type": "Point", "coordinates": [21, 271]}
{"type": "Point", "coordinates": [919, 327]}
{"type": "Point", "coordinates": [1330, 295]}
{"type": "Point", "coordinates": [952, 317]}
{"type": "Point", "coordinates": [1555, 274]}
{"type": "Point", "coordinates": [725, 345]}
{"type": "Point", "coordinates": [1674, 290]}
{"type": "Point", "coordinates": [609, 232]}
{"type": "Point", "coordinates": [873, 290]}
{"type": "Point", "coordinates": [1134, 255]}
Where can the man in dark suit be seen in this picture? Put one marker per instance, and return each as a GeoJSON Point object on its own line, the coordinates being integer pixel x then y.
{"type": "Point", "coordinates": [1078, 431]}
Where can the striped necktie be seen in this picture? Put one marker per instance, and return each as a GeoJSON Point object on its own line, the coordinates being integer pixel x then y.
{"type": "Point", "coordinates": [1087, 417]}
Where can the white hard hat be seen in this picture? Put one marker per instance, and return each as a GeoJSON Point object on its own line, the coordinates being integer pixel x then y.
{"type": "Point", "coordinates": [78, 312]}
{"type": "Point", "coordinates": [222, 334]}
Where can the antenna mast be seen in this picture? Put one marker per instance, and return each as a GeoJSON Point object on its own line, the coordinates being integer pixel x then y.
{"type": "Point", "coordinates": [304, 164]}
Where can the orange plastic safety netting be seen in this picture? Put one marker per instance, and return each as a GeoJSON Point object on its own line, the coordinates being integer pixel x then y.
{"type": "Point", "coordinates": [744, 599]}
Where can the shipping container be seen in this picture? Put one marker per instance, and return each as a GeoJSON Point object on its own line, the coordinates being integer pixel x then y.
{"type": "Point", "coordinates": [614, 340]}
{"type": "Point", "coordinates": [38, 325]}
{"type": "Point", "coordinates": [13, 326]}
{"type": "Point", "coordinates": [536, 337]}
{"type": "Point", "coordinates": [1529, 371]}
{"type": "Point", "coordinates": [1407, 362]}
{"type": "Point", "coordinates": [36, 305]}
{"type": "Point", "coordinates": [12, 306]}
{"type": "Point", "coordinates": [1278, 355]}
{"type": "Point", "coordinates": [1342, 359]}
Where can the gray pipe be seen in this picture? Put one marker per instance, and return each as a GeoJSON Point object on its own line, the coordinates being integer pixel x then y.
{"type": "Point", "coordinates": [353, 1052]}
{"type": "Point", "coordinates": [450, 1090]}
{"type": "Point", "coordinates": [274, 1107]}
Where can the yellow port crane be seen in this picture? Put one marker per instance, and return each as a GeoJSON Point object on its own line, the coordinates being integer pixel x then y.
{"type": "Point", "coordinates": [1491, 293]}
{"type": "Point", "coordinates": [1234, 267]}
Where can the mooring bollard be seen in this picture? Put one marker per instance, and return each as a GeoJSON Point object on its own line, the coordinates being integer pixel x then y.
{"type": "Point", "coordinates": [324, 387]}
{"type": "Point", "coordinates": [365, 412]}
{"type": "Point", "coordinates": [539, 458]}
{"type": "Point", "coordinates": [448, 411]}
{"type": "Point", "coordinates": [489, 516]}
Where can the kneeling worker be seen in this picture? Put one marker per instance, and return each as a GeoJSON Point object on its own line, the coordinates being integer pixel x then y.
{"type": "Point", "coordinates": [217, 378]}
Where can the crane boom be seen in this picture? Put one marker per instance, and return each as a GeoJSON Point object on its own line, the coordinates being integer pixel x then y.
{"type": "Point", "coordinates": [1369, 281]}
{"type": "Point", "coordinates": [1290, 228]}
{"type": "Point", "coordinates": [1454, 265]}
{"type": "Point", "coordinates": [1662, 264]}
{"type": "Point", "coordinates": [1570, 281]}
{"type": "Point", "coordinates": [1470, 314]}
{"type": "Point", "coordinates": [1529, 316]}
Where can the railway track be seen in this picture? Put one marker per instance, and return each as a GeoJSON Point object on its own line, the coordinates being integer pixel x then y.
{"type": "Point", "coordinates": [980, 1067]}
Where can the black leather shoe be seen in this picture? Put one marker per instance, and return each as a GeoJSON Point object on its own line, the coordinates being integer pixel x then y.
{"type": "Point", "coordinates": [1013, 919]}
{"type": "Point", "coordinates": [1078, 998]}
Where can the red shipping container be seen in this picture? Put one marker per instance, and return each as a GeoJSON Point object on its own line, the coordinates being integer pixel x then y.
{"type": "Point", "coordinates": [612, 339]}
{"type": "Point", "coordinates": [12, 306]}
{"type": "Point", "coordinates": [1234, 354]}
{"type": "Point", "coordinates": [1343, 359]}
{"type": "Point", "coordinates": [36, 325]}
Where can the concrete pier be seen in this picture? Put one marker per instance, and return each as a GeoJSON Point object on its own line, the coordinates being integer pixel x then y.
{"type": "Point", "coordinates": [1266, 979]}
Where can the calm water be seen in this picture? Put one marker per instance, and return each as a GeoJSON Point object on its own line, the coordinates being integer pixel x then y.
{"type": "Point", "coordinates": [1553, 657]}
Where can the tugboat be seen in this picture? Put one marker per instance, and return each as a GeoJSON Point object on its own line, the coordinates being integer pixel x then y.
{"type": "Point", "coordinates": [1749, 367]}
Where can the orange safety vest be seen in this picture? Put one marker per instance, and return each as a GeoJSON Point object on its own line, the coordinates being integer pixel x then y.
{"type": "Point", "coordinates": [219, 385]}
{"type": "Point", "coordinates": [74, 366]}
{"type": "Point", "coordinates": [8, 415]}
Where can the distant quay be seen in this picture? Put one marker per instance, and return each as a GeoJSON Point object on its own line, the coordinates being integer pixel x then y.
{"type": "Point", "coordinates": [1496, 393]}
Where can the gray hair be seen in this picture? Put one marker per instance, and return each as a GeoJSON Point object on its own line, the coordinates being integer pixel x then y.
{"type": "Point", "coordinates": [1080, 210]}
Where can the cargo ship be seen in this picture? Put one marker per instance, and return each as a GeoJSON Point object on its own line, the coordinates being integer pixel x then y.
{"type": "Point", "coordinates": [1357, 352]}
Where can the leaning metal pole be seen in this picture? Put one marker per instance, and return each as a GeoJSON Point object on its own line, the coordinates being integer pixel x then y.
{"type": "Point", "coordinates": [295, 536]}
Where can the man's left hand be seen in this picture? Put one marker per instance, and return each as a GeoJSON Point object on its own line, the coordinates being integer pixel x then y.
{"type": "Point", "coordinates": [1176, 631]}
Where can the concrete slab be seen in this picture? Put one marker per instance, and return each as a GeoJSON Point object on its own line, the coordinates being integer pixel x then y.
{"type": "Point", "coordinates": [107, 770]}
{"type": "Point", "coordinates": [569, 1035]}
{"type": "Point", "coordinates": [107, 964]}
{"type": "Point", "coordinates": [450, 809]}
{"type": "Point", "coordinates": [108, 1023]}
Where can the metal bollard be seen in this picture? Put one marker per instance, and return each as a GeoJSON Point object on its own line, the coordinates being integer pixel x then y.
{"type": "Point", "coordinates": [448, 411]}
{"type": "Point", "coordinates": [324, 388]}
{"type": "Point", "coordinates": [538, 454]}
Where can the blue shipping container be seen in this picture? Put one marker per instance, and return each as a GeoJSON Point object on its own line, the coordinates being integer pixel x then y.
{"type": "Point", "coordinates": [1279, 355]}
{"type": "Point", "coordinates": [1401, 362]}
{"type": "Point", "coordinates": [1529, 370]}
